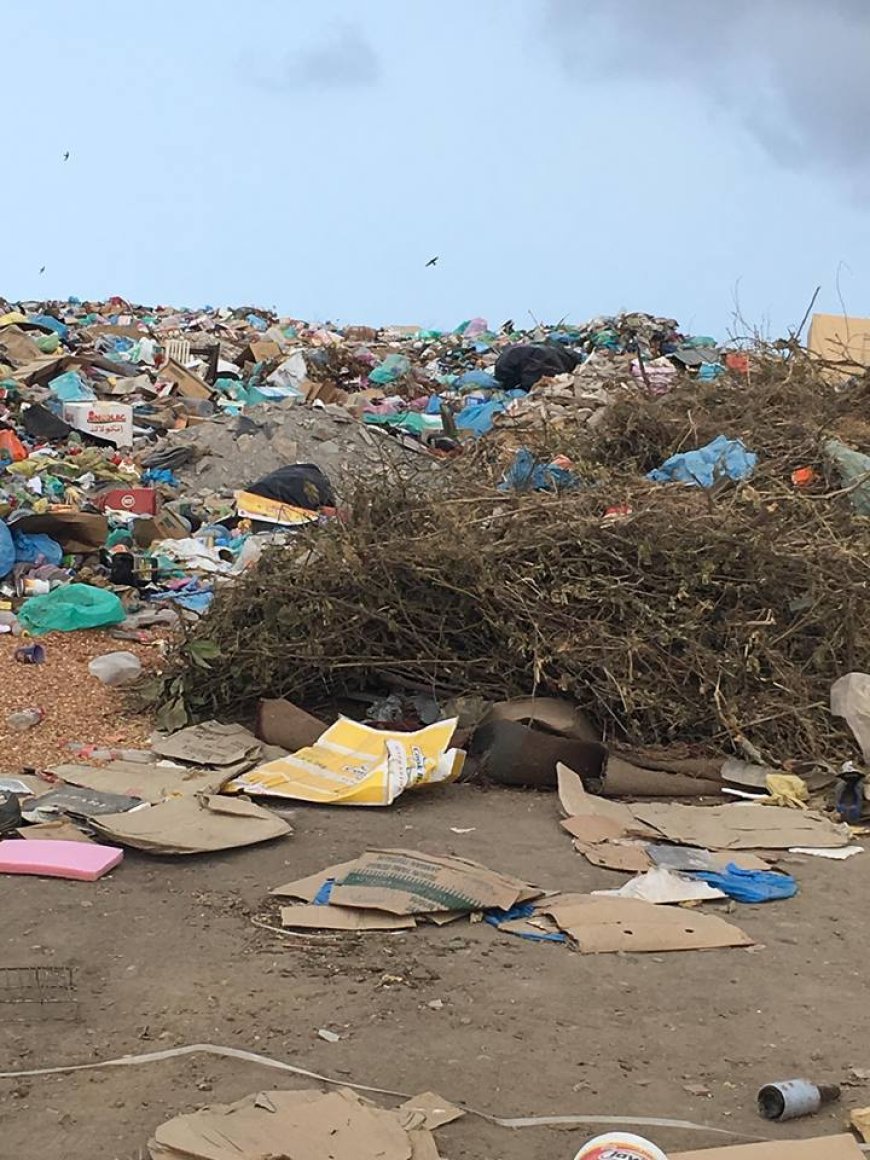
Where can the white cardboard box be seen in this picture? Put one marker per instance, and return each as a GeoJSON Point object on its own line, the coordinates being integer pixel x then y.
{"type": "Point", "coordinates": [112, 421]}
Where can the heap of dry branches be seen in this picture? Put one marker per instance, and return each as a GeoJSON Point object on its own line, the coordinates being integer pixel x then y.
{"type": "Point", "coordinates": [696, 616]}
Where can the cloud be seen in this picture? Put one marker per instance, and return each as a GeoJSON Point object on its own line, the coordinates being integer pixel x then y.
{"type": "Point", "coordinates": [343, 60]}
{"type": "Point", "coordinates": [793, 73]}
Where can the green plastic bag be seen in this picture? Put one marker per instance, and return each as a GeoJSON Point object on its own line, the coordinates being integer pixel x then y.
{"type": "Point", "coordinates": [70, 607]}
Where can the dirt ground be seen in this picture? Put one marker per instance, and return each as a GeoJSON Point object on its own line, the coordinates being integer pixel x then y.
{"type": "Point", "coordinates": [166, 955]}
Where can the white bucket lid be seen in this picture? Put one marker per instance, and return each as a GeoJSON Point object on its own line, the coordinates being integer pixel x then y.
{"type": "Point", "coordinates": [620, 1146]}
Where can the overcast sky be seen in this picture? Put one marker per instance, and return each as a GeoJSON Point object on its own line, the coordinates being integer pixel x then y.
{"type": "Point", "coordinates": [563, 158]}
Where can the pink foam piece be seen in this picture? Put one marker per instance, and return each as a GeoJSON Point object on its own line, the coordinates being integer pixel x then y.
{"type": "Point", "coordinates": [83, 861]}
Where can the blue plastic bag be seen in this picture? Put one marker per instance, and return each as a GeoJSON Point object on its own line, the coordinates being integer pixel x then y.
{"type": "Point", "coordinates": [702, 468]}
{"type": "Point", "coordinates": [750, 885]}
{"type": "Point", "coordinates": [526, 473]}
{"type": "Point", "coordinates": [71, 388]}
{"type": "Point", "coordinates": [36, 549]}
{"type": "Point", "coordinates": [7, 551]}
{"type": "Point", "coordinates": [392, 368]}
{"type": "Point", "coordinates": [475, 379]}
{"type": "Point", "coordinates": [478, 417]}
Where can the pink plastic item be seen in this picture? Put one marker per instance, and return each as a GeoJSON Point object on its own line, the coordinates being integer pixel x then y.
{"type": "Point", "coordinates": [83, 861]}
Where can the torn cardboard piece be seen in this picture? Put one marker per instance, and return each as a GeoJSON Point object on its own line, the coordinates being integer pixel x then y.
{"type": "Point", "coordinates": [627, 857]}
{"type": "Point", "coordinates": [193, 825]}
{"type": "Point", "coordinates": [408, 882]}
{"type": "Point", "coordinates": [280, 722]}
{"type": "Point", "coordinates": [308, 888]}
{"type": "Point", "coordinates": [354, 764]}
{"type": "Point", "coordinates": [625, 779]}
{"type": "Point", "coordinates": [307, 1125]}
{"type": "Point", "coordinates": [149, 782]}
{"type": "Point", "coordinates": [576, 802]}
{"type": "Point", "coordinates": [427, 1110]}
{"type": "Point", "coordinates": [330, 917]}
{"type": "Point", "coordinates": [209, 744]}
{"type": "Point", "coordinates": [743, 826]}
{"type": "Point", "coordinates": [820, 1148]}
{"type": "Point", "coordinates": [514, 753]}
{"type": "Point", "coordinates": [602, 925]}
{"type": "Point", "coordinates": [63, 830]}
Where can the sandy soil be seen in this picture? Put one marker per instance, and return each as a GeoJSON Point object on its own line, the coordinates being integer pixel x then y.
{"type": "Point", "coordinates": [167, 955]}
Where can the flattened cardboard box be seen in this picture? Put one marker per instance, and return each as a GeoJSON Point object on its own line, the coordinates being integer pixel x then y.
{"type": "Point", "coordinates": [408, 882]}
{"type": "Point", "coordinates": [821, 1148]}
{"type": "Point", "coordinates": [602, 925]}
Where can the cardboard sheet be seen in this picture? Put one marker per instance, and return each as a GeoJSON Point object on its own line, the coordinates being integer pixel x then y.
{"type": "Point", "coordinates": [209, 744]}
{"type": "Point", "coordinates": [742, 826]}
{"type": "Point", "coordinates": [308, 888]}
{"type": "Point", "coordinates": [148, 782]}
{"type": "Point", "coordinates": [576, 802]}
{"type": "Point", "coordinates": [408, 882]}
{"type": "Point", "coordinates": [819, 1148]}
{"type": "Point", "coordinates": [307, 917]}
{"type": "Point", "coordinates": [601, 925]}
{"type": "Point", "coordinates": [427, 1110]}
{"type": "Point", "coordinates": [306, 1125]}
{"type": "Point", "coordinates": [280, 722]}
{"type": "Point", "coordinates": [840, 339]}
{"type": "Point", "coordinates": [62, 830]}
{"type": "Point", "coordinates": [193, 825]}
{"type": "Point", "coordinates": [353, 764]}
{"type": "Point", "coordinates": [628, 857]}
{"type": "Point", "coordinates": [591, 829]}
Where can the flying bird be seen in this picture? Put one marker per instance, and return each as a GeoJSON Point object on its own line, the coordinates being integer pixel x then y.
{"type": "Point", "coordinates": [66, 155]}
{"type": "Point", "coordinates": [42, 269]}
{"type": "Point", "coordinates": [432, 261]}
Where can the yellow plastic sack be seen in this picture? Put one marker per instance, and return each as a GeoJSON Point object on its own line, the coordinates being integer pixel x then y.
{"type": "Point", "coordinates": [786, 789]}
{"type": "Point", "coordinates": [353, 764]}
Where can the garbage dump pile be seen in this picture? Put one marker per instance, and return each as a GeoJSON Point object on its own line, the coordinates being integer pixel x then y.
{"type": "Point", "coordinates": [671, 533]}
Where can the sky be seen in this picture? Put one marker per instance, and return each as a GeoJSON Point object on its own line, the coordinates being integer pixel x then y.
{"type": "Point", "coordinates": [697, 159]}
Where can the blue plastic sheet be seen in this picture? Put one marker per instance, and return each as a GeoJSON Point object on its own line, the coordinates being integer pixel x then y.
{"type": "Point", "coordinates": [7, 551]}
{"type": "Point", "coordinates": [476, 379]}
{"type": "Point", "coordinates": [702, 468]}
{"type": "Point", "coordinates": [750, 885]}
{"type": "Point", "coordinates": [478, 417]}
{"type": "Point", "coordinates": [49, 323]}
{"type": "Point", "coordinates": [36, 549]}
{"type": "Point", "coordinates": [526, 473]}
{"type": "Point", "coordinates": [523, 910]}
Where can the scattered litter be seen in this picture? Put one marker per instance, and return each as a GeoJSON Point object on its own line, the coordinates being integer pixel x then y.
{"type": "Point", "coordinates": [329, 1036]}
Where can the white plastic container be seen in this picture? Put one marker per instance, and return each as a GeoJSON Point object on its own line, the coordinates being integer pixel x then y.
{"type": "Point", "coordinates": [620, 1146]}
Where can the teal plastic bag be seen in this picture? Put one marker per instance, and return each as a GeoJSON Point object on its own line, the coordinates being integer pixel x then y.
{"type": "Point", "coordinates": [70, 607]}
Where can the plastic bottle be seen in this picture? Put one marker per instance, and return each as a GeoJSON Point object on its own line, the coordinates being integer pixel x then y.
{"type": "Point", "coordinates": [23, 719]}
